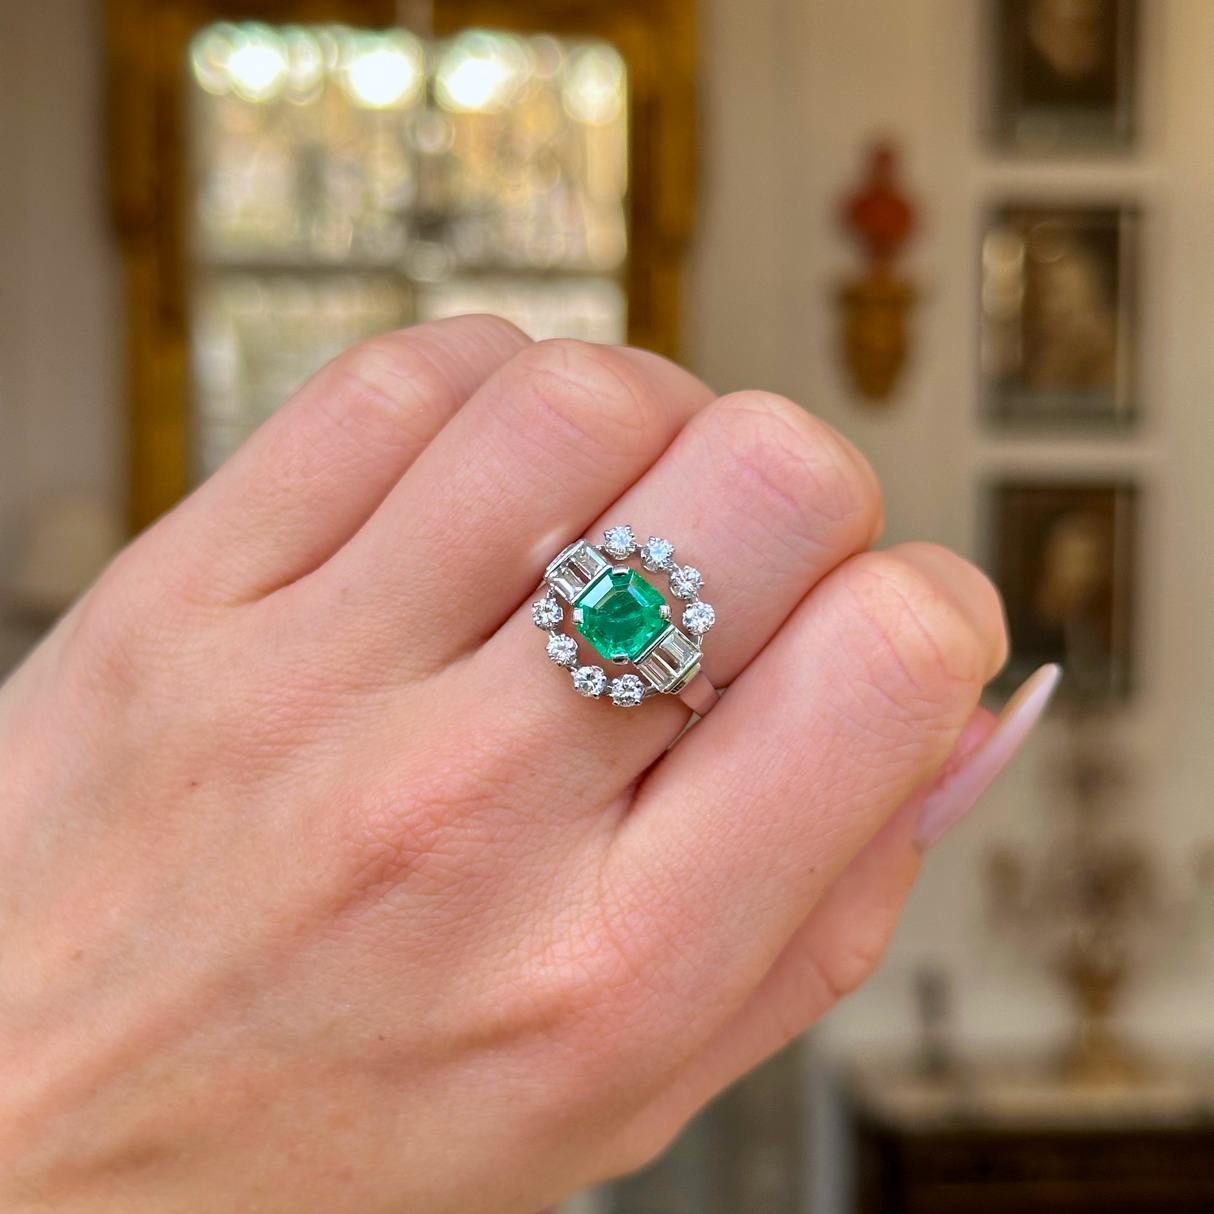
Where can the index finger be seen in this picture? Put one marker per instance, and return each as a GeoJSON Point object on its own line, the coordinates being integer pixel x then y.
{"type": "Point", "coordinates": [305, 481]}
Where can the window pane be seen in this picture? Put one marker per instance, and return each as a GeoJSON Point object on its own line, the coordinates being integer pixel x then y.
{"type": "Point", "coordinates": [259, 337]}
{"type": "Point", "coordinates": [346, 182]}
{"type": "Point", "coordinates": [592, 309]}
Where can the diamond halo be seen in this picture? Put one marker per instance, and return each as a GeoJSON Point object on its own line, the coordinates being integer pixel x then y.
{"type": "Point", "coordinates": [626, 620]}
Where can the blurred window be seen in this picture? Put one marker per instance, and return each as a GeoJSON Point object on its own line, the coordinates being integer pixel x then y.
{"type": "Point", "coordinates": [346, 182]}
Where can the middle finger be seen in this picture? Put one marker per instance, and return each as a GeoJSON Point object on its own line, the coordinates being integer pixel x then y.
{"type": "Point", "coordinates": [545, 444]}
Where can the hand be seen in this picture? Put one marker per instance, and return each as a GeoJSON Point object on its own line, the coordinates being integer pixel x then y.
{"type": "Point", "coordinates": [322, 889]}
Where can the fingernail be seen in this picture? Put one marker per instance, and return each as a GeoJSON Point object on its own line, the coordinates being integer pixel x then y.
{"type": "Point", "coordinates": [948, 804]}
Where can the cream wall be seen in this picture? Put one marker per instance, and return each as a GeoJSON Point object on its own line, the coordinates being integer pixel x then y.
{"type": "Point", "coordinates": [60, 330]}
{"type": "Point", "coordinates": [793, 91]}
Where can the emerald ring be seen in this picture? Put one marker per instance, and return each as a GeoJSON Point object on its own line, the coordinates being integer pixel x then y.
{"type": "Point", "coordinates": [627, 621]}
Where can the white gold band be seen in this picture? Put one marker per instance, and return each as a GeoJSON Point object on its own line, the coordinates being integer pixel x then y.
{"type": "Point", "coordinates": [699, 695]}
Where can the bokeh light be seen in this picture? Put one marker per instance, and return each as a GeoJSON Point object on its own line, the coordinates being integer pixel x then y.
{"type": "Point", "coordinates": [385, 71]}
{"type": "Point", "coordinates": [257, 64]}
{"type": "Point", "coordinates": [595, 85]}
{"type": "Point", "coordinates": [481, 72]}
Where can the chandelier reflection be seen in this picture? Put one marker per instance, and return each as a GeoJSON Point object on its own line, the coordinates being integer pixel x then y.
{"type": "Point", "coordinates": [346, 182]}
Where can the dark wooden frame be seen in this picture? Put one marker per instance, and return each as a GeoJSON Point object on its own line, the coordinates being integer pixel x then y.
{"type": "Point", "coordinates": [963, 1168]}
{"type": "Point", "coordinates": [1126, 496]}
{"type": "Point", "coordinates": [1059, 132]}
{"type": "Point", "coordinates": [146, 49]}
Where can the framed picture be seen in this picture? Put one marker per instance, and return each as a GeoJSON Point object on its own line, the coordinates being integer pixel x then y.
{"type": "Point", "coordinates": [1064, 75]}
{"type": "Point", "coordinates": [1064, 561]}
{"type": "Point", "coordinates": [1058, 344]}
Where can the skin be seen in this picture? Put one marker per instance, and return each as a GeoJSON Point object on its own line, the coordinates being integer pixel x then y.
{"type": "Point", "coordinates": [322, 889]}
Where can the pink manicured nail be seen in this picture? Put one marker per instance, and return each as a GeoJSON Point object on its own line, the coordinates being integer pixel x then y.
{"type": "Point", "coordinates": [948, 804]}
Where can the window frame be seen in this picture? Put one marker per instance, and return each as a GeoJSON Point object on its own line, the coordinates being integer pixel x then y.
{"type": "Point", "coordinates": [146, 44]}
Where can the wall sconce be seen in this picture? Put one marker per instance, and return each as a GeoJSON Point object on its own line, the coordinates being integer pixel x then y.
{"type": "Point", "coordinates": [875, 306]}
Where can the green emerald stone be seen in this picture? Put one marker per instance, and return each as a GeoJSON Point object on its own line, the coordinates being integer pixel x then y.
{"type": "Point", "coordinates": [621, 614]}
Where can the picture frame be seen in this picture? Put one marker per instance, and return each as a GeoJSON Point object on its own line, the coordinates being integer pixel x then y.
{"type": "Point", "coordinates": [1059, 315]}
{"type": "Point", "coordinates": [1063, 557]}
{"type": "Point", "coordinates": [1064, 75]}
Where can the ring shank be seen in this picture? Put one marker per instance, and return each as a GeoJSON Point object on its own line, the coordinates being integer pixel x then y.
{"type": "Point", "coordinates": [699, 695]}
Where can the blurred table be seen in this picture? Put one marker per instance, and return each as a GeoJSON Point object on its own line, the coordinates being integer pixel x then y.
{"type": "Point", "coordinates": [1014, 1137]}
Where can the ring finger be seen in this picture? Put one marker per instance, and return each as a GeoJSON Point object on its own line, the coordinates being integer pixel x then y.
{"type": "Point", "coordinates": [764, 500]}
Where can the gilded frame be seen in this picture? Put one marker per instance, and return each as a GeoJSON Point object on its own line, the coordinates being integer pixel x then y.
{"type": "Point", "coordinates": [146, 49]}
{"type": "Point", "coordinates": [1011, 404]}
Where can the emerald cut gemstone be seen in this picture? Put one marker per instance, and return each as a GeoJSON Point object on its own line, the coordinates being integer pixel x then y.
{"type": "Point", "coordinates": [621, 614]}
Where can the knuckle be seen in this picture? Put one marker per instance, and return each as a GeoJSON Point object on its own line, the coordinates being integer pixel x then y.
{"type": "Point", "coordinates": [588, 393]}
{"type": "Point", "coordinates": [386, 386]}
{"type": "Point", "coordinates": [810, 480]}
{"type": "Point", "coordinates": [927, 648]}
{"type": "Point", "coordinates": [143, 620]}
{"type": "Point", "coordinates": [590, 983]}
{"type": "Point", "coordinates": [496, 332]}
{"type": "Point", "coordinates": [111, 646]}
{"type": "Point", "coordinates": [577, 994]}
{"type": "Point", "coordinates": [854, 957]}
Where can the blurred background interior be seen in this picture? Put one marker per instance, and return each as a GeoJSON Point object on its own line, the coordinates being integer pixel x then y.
{"type": "Point", "coordinates": [975, 235]}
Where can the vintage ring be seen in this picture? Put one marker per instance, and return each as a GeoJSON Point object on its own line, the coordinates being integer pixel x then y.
{"type": "Point", "coordinates": [627, 620]}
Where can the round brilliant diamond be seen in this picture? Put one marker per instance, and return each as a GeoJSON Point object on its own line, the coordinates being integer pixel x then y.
{"type": "Point", "coordinates": [546, 613]}
{"type": "Point", "coordinates": [686, 582]}
{"type": "Point", "coordinates": [589, 680]}
{"type": "Point", "coordinates": [619, 542]}
{"type": "Point", "coordinates": [699, 618]}
{"type": "Point", "coordinates": [563, 650]}
{"type": "Point", "coordinates": [627, 691]}
{"type": "Point", "coordinates": [657, 554]}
